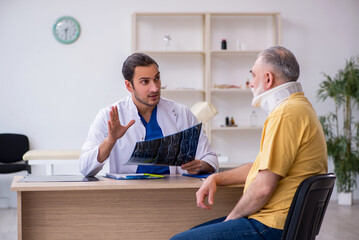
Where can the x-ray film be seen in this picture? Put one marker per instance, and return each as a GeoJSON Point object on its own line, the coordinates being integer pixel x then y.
{"type": "Point", "coordinates": [171, 150]}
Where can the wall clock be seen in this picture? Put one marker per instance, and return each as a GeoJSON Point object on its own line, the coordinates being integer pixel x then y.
{"type": "Point", "coordinates": [66, 30]}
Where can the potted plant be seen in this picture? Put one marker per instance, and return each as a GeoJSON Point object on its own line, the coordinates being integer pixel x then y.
{"type": "Point", "coordinates": [340, 129]}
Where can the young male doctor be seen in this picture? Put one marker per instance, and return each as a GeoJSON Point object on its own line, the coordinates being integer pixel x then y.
{"type": "Point", "coordinates": [142, 116]}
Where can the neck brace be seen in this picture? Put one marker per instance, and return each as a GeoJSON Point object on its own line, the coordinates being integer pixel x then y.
{"type": "Point", "coordinates": [270, 99]}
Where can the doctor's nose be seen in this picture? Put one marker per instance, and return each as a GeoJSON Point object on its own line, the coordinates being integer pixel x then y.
{"type": "Point", "coordinates": [154, 87]}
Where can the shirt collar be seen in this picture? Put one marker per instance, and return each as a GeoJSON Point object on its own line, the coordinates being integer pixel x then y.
{"type": "Point", "coordinates": [152, 118]}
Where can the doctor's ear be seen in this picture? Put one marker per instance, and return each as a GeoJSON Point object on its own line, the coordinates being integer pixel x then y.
{"type": "Point", "coordinates": [129, 86]}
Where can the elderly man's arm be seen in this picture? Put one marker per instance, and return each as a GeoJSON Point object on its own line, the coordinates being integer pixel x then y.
{"type": "Point", "coordinates": [209, 187]}
{"type": "Point", "coordinates": [256, 196]}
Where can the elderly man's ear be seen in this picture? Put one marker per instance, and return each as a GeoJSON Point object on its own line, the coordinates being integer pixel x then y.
{"type": "Point", "coordinates": [270, 80]}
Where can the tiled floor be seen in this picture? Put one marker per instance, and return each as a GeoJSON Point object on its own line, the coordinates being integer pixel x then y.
{"type": "Point", "coordinates": [8, 224]}
{"type": "Point", "coordinates": [340, 222]}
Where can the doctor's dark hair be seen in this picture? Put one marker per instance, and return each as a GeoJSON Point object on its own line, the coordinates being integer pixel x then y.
{"type": "Point", "coordinates": [133, 61]}
{"type": "Point", "coordinates": [283, 62]}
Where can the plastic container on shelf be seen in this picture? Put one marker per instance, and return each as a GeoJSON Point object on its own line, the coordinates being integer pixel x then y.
{"type": "Point", "coordinates": [253, 119]}
{"type": "Point", "coordinates": [224, 44]}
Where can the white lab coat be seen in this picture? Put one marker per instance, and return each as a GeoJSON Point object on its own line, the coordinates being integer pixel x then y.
{"type": "Point", "coordinates": [172, 117]}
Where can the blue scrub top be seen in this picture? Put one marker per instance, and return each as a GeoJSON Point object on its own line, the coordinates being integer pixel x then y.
{"type": "Point", "coordinates": [153, 131]}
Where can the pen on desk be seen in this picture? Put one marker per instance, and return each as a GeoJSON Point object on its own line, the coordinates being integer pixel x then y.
{"type": "Point", "coordinates": [153, 175]}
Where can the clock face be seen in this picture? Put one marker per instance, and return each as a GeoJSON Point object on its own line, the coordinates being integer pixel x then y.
{"type": "Point", "coordinates": [66, 30]}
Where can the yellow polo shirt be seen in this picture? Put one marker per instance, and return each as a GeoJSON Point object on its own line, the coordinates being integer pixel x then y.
{"type": "Point", "coordinates": [292, 146]}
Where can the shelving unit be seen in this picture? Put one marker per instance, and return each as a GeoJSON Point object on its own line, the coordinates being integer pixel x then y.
{"type": "Point", "coordinates": [241, 128]}
{"type": "Point", "coordinates": [222, 52]}
{"type": "Point", "coordinates": [193, 63]}
{"type": "Point", "coordinates": [241, 89]}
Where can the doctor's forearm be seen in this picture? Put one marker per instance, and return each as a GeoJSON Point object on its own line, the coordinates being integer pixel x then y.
{"type": "Point", "coordinates": [104, 150]}
{"type": "Point", "coordinates": [206, 167]}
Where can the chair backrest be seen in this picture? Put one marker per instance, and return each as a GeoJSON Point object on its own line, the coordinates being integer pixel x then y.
{"type": "Point", "coordinates": [12, 147]}
{"type": "Point", "coordinates": [308, 207]}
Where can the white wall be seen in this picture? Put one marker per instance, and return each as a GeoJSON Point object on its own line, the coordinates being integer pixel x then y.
{"type": "Point", "coordinates": [51, 92]}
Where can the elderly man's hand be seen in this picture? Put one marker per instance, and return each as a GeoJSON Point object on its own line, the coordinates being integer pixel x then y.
{"type": "Point", "coordinates": [208, 189]}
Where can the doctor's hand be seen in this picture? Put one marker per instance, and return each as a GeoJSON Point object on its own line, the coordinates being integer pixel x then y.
{"type": "Point", "coordinates": [196, 166]}
{"type": "Point", "coordinates": [208, 189]}
{"type": "Point", "coordinates": [115, 129]}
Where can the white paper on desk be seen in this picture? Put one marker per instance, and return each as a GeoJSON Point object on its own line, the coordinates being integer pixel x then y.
{"type": "Point", "coordinates": [57, 178]}
{"type": "Point", "coordinates": [171, 150]}
{"type": "Point", "coordinates": [132, 176]}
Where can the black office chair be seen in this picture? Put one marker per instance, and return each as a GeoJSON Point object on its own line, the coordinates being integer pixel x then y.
{"type": "Point", "coordinates": [12, 148]}
{"type": "Point", "coordinates": [308, 207]}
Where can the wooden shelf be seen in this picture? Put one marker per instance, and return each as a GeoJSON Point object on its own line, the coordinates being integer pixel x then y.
{"type": "Point", "coordinates": [183, 90]}
{"type": "Point", "coordinates": [249, 14]}
{"type": "Point", "coordinates": [239, 128]}
{"type": "Point", "coordinates": [227, 90]}
{"type": "Point", "coordinates": [224, 52]}
{"type": "Point", "coordinates": [229, 165]}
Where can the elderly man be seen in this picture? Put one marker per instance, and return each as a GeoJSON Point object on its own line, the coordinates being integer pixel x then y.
{"type": "Point", "coordinates": [292, 149]}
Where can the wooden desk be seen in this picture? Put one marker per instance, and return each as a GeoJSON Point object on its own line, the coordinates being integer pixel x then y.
{"type": "Point", "coordinates": [114, 209]}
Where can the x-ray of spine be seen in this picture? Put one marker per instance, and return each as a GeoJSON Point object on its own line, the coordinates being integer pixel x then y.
{"type": "Point", "coordinates": [172, 150]}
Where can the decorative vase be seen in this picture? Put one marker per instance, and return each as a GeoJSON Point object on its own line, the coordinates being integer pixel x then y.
{"type": "Point", "coordinates": [345, 198]}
